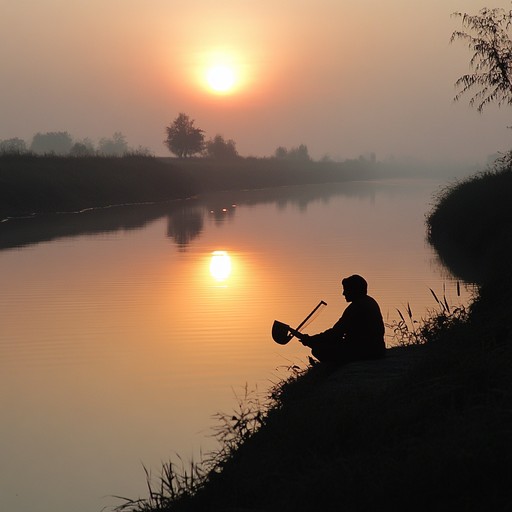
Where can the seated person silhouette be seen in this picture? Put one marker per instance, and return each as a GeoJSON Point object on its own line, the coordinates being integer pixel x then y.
{"type": "Point", "coordinates": [357, 335]}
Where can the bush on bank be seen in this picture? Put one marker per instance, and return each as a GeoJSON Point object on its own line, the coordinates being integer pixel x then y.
{"type": "Point", "coordinates": [470, 225]}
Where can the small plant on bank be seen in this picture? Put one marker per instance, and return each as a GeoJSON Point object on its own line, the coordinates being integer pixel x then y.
{"type": "Point", "coordinates": [409, 331]}
{"type": "Point", "coordinates": [234, 429]}
{"type": "Point", "coordinates": [173, 484]}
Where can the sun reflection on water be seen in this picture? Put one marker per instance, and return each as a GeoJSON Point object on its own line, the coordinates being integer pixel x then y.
{"type": "Point", "coordinates": [220, 266]}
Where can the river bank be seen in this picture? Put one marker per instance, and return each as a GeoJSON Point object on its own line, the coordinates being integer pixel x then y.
{"type": "Point", "coordinates": [433, 434]}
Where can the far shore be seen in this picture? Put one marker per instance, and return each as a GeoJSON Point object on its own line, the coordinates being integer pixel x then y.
{"type": "Point", "coordinates": [31, 184]}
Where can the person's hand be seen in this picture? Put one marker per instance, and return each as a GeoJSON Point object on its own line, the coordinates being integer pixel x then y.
{"type": "Point", "coordinates": [304, 339]}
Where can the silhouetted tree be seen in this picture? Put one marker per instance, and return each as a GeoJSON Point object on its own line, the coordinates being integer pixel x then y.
{"type": "Point", "coordinates": [300, 153]}
{"type": "Point", "coordinates": [58, 143]}
{"type": "Point", "coordinates": [79, 149]}
{"type": "Point", "coordinates": [116, 146]}
{"type": "Point", "coordinates": [183, 138]}
{"type": "Point", "coordinates": [14, 146]}
{"type": "Point", "coordinates": [221, 149]}
{"type": "Point", "coordinates": [82, 148]}
{"type": "Point", "coordinates": [281, 153]}
{"type": "Point", "coordinates": [487, 35]}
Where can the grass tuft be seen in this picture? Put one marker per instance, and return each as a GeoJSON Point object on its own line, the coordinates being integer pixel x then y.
{"type": "Point", "coordinates": [409, 331]}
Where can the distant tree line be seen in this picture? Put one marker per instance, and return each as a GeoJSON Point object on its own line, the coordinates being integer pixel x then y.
{"type": "Point", "coordinates": [185, 140]}
{"type": "Point", "coordinates": [300, 153]}
{"type": "Point", "coordinates": [62, 144]}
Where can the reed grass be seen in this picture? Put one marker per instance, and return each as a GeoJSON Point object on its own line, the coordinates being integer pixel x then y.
{"type": "Point", "coordinates": [175, 482]}
{"type": "Point", "coordinates": [410, 331]}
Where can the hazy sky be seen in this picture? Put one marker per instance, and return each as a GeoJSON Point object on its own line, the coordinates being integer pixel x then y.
{"type": "Point", "coordinates": [344, 77]}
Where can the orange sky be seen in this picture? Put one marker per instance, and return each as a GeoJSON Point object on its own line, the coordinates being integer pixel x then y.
{"type": "Point", "coordinates": [344, 77]}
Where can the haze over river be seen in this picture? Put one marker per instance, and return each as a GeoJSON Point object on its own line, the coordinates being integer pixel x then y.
{"type": "Point", "coordinates": [124, 330]}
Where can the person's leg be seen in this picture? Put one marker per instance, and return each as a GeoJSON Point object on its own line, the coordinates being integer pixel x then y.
{"type": "Point", "coordinates": [330, 351]}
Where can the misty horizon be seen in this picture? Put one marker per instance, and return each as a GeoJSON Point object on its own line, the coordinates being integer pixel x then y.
{"type": "Point", "coordinates": [345, 80]}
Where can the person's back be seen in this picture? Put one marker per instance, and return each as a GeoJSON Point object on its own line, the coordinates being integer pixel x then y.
{"type": "Point", "coordinates": [362, 326]}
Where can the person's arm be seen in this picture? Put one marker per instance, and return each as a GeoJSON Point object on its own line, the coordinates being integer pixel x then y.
{"type": "Point", "coordinates": [337, 331]}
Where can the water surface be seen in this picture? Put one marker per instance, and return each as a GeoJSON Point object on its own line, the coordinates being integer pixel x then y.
{"type": "Point", "coordinates": [119, 340]}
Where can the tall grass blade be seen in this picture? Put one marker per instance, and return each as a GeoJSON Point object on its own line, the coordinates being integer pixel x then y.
{"type": "Point", "coordinates": [409, 311]}
{"type": "Point", "coordinates": [435, 296]}
{"type": "Point", "coordinates": [446, 304]}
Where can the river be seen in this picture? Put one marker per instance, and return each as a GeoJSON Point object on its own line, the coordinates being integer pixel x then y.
{"type": "Point", "coordinates": [123, 331]}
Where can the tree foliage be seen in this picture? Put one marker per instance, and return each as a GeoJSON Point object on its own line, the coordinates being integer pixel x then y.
{"type": "Point", "coordinates": [115, 146]}
{"type": "Point", "coordinates": [183, 138]}
{"type": "Point", "coordinates": [57, 143]}
{"type": "Point", "coordinates": [221, 149]}
{"type": "Point", "coordinates": [14, 146]}
{"type": "Point", "coordinates": [487, 35]}
{"type": "Point", "coordinates": [281, 153]}
{"type": "Point", "coordinates": [82, 148]}
{"type": "Point", "coordinates": [299, 153]}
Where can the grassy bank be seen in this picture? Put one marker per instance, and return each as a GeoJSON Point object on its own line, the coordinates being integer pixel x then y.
{"type": "Point", "coordinates": [431, 433]}
{"type": "Point", "coordinates": [46, 184]}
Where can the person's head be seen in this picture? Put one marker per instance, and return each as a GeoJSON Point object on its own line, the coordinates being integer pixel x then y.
{"type": "Point", "coordinates": [353, 287]}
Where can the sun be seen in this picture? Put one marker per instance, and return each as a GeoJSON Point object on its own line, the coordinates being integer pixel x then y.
{"type": "Point", "coordinates": [222, 71]}
{"type": "Point", "coordinates": [221, 78]}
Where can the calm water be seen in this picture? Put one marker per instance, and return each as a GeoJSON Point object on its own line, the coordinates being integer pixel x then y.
{"type": "Point", "coordinates": [122, 333]}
